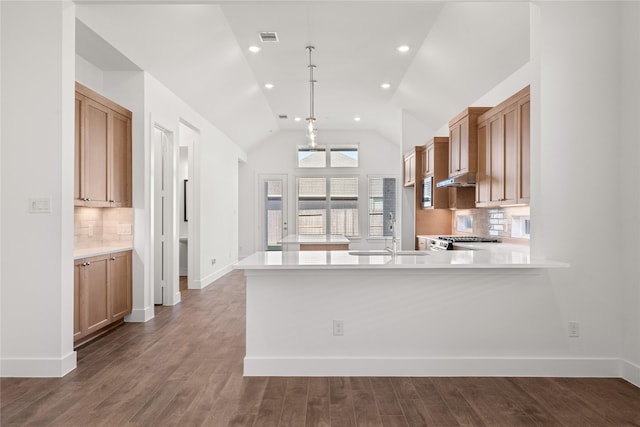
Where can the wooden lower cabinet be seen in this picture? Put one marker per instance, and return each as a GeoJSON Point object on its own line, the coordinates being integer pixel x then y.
{"type": "Point", "coordinates": [120, 284]}
{"type": "Point", "coordinates": [102, 293]}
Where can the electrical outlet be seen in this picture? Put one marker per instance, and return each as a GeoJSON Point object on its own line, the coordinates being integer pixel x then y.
{"type": "Point", "coordinates": [124, 228]}
{"type": "Point", "coordinates": [574, 329]}
{"type": "Point", "coordinates": [213, 261]}
{"type": "Point", "coordinates": [338, 328]}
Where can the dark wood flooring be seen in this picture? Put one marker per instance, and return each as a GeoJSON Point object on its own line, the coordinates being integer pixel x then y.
{"type": "Point", "coordinates": [184, 368]}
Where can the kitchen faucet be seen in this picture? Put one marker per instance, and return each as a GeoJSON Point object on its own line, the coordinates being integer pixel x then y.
{"type": "Point", "coordinates": [392, 227]}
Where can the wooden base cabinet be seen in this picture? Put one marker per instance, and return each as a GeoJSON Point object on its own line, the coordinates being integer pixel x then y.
{"type": "Point", "coordinates": [102, 293]}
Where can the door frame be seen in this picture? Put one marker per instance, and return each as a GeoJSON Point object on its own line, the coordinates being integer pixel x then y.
{"type": "Point", "coordinates": [171, 283]}
{"type": "Point", "coordinates": [262, 178]}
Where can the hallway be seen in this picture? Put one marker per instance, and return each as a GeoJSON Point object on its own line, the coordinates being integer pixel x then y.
{"type": "Point", "coordinates": [184, 368]}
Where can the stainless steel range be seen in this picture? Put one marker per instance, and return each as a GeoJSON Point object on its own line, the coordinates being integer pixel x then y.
{"type": "Point", "coordinates": [446, 243]}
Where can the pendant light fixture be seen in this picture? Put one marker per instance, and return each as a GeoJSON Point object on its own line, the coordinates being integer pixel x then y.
{"type": "Point", "coordinates": [311, 120]}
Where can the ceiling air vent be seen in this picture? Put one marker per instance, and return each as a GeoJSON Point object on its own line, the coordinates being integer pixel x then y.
{"type": "Point", "coordinates": [268, 36]}
{"type": "Point", "coordinates": [283, 116]}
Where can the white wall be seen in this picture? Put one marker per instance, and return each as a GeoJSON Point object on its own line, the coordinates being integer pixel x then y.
{"type": "Point", "coordinates": [215, 171]}
{"type": "Point", "coordinates": [576, 191]}
{"type": "Point", "coordinates": [629, 89]}
{"type": "Point", "coordinates": [37, 161]}
{"type": "Point", "coordinates": [278, 155]}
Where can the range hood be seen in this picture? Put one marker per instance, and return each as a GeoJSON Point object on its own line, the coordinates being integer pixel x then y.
{"type": "Point", "coordinates": [467, 179]}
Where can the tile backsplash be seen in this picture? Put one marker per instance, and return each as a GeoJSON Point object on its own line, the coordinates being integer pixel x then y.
{"type": "Point", "coordinates": [99, 227]}
{"type": "Point", "coordinates": [495, 222]}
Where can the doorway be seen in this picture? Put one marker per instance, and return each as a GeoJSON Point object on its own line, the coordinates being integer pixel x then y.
{"type": "Point", "coordinates": [273, 189]}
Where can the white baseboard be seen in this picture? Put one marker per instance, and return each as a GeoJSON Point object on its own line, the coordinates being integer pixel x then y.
{"type": "Point", "coordinates": [419, 367]}
{"type": "Point", "coordinates": [140, 315]}
{"type": "Point", "coordinates": [177, 297]}
{"type": "Point", "coordinates": [207, 280]}
{"type": "Point", "coordinates": [630, 372]}
{"type": "Point", "coordinates": [30, 367]}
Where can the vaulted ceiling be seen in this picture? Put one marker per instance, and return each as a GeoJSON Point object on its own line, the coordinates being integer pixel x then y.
{"type": "Point", "coordinates": [200, 51]}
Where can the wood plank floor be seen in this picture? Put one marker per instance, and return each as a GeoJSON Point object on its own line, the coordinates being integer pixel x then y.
{"type": "Point", "coordinates": [184, 368]}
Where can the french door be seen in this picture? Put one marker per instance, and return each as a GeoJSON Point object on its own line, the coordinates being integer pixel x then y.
{"type": "Point", "coordinates": [273, 196]}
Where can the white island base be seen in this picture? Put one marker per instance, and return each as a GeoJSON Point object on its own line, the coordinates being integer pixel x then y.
{"type": "Point", "coordinates": [405, 317]}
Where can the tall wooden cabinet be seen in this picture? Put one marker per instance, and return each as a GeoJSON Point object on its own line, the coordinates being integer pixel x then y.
{"type": "Point", "coordinates": [503, 147]}
{"type": "Point", "coordinates": [102, 151]}
{"type": "Point", "coordinates": [103, 293]}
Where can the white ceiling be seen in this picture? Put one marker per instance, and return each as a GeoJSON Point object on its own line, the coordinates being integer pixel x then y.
{"type": "Point", "coordinates": [200, 52]}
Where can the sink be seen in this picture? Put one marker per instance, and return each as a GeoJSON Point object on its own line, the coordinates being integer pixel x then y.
{"type": "Point", "coordinates": [370, 253]}
{"type": "Point", "coordinates": [387, 253]}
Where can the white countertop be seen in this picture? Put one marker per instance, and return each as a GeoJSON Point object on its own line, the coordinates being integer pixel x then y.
{"type": "Point", "coordinates": [97, 251]}
{"type": "Point", "coordinates": [493, 258]}
{"type": "Point", "coordinates": [319, 239]}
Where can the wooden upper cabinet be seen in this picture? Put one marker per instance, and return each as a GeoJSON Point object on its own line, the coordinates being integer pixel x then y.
{"type": "Point", "coordinates": [96, 148]}
{"type": "Point", "coordinates": [103, 151]}
{"type": "Point", "coordinates": [463, 141]}
{"type": "Point", "coordinates": [429, 159]}
{"type": "Point", "coordinates": [120, 185]}
{"type": "Point", "coordinates": [410, 168]}
{"type": "Point", "coordinates": [524, 155]}
{"type": "Point", "coordinates": [503, 146]}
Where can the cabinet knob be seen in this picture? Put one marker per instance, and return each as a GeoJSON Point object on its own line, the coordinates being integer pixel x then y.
{"type": "Point", "coordinates": [113, 258]}
{"type": "Point", "coordinates": [88, 263]}
{"type": "Point", "coordinates": [112, 201]}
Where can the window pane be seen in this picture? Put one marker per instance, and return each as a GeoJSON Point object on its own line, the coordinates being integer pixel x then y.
{"type": "Point", "coordinates": [345, 156]}
{"type": "Point", "coordinates": [382, 202]}
{"type": "Point", "coordinates": [312, 205]}
{"type": "Point", "coordinates": [344, 206]}
{"type": "Point", "coordinates": [312, 158]}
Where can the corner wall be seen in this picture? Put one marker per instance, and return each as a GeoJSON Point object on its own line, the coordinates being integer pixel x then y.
{"type": "Point", "coordinates": [37, 162]}
{"type": "Point", "coordinates": [629, 178]}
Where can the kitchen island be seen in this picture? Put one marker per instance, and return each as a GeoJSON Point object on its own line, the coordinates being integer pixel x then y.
{"type": "Point", "coordinates": [480, 312]}
{"type": "Point", "coordinates": [313, 242]}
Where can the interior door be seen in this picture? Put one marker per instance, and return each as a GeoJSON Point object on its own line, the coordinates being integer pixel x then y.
{"type": "Point", "coordinates": [160, 206]}
{"type": "Point", "coordinates": [274, 209]}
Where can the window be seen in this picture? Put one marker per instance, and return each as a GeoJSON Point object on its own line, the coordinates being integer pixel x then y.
{"type": "Point", "coordinates": [312, 157]}
{"type": "Point", "coordinates": [345, 156]}
{"type": "Point", "coordinates": [336, 156]}
{"type": "Point", "coordinates": [382, 202]}
{"type": "Point", "coordinates": [328, 206]}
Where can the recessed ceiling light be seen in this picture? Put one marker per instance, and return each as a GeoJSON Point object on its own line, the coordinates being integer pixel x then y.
{"type": "Point", "coordinates": [254, 49]}
{"type": "Point", "coordinates": [403, 49]}
{"type": "Point", "coordinates": [297, 119]}
{"type": "Point", "coordinates": [269, 85]}
{"type": "Point", "coordinates": [357, 119]}
{"type": "Point", "coordinates": [385, 85]}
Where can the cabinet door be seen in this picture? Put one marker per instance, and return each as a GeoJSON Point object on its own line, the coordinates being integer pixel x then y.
{"type": "Point", "coordinates": [120, 284]}
{"type": "Point", "coordinates": [96, 286]}
{"type": "Point", "coordinates": [95, 145]}
{"type": "Point", "coordinates": [454, 149]}
{"type": "Point", "coordinates": [495, 159]}
{"type": "Point", "coordinates": [410, 169]}
{"type": "Point", "coordinates": [510, 156]}
{"type": "Point", "coordinates": [524, 113]}
{"type": "Point", "coordinates": [120, 165]}
{"type": "Point", "coordinates": [77, 164]}
{"type": "Point", "coordinates": [77, 295]}
{"type": "Point", "coordinates": [464, 154]}
{"type": "Point", "coordinates": [429, 160]}
{"type": "Point", "coordinates": [483, 178]}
